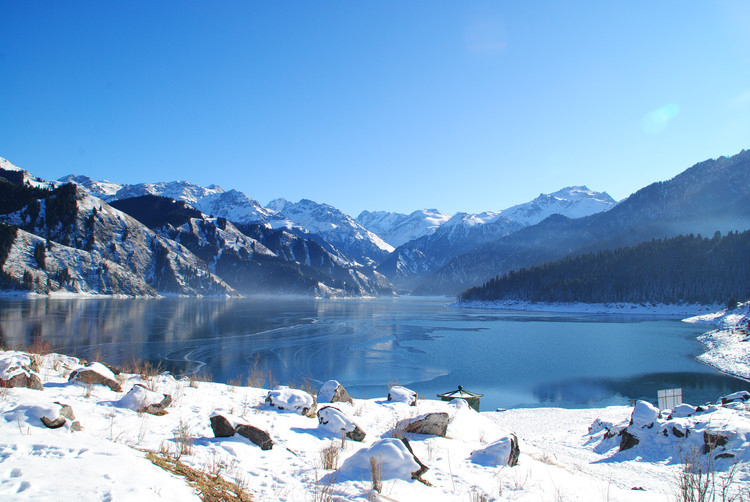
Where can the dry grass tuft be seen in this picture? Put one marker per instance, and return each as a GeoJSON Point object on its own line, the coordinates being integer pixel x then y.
{"type": "Point", "coordinates": [329, 456]}
{"type": "Point", "coordinates": [376, 474]}
{"type": "Point", "coordinates": [201, 376]}
{"type": "Point", "coordinates": [146, 369]}
{"type": "Point", "coordinates": [183, 437]}
{"type": "Point", "coordinates": [210, 487]}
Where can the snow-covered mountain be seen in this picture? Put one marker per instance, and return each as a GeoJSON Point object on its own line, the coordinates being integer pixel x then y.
{"type": "Point", "coordinates": [712, 195]}
{"type": "Point", "coordinates": [573, 202]}
{"type": "Point", "coordinates": [397, 228]}
{"type": "Point", "coordinates": [410, 263]}
{"type": "Point", "coordinates": [335, 227]}
{"type": "Point", "coordinates": [328, 225]}
{"type": "Point", "coordinates": [254, 258]}
{"type": "Point", "coordinates": [92, 247]}
{"type": "Point", "coordinates": [212, 200]}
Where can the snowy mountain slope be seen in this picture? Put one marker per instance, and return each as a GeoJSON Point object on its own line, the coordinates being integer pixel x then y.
{"type": "Point", "coordinates": [332, 225]}
{"type": "Point", "coordinates": [398, 229]}
{"type": "Point", "coordinates": [712, 195]}
{"type": "Point", "coordinates": [65, 269]}
{"type": "Point", "coordinates": [74, 218]}
{"type": "Point", "coordinates": [238, 253]}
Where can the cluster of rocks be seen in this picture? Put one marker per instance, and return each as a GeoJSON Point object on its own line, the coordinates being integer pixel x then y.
{"type": "Point", "coordinates": [721, 428]}
{"type": "Point", "coordinates": [18, 369]}
{"type": "Point", "coordinates": [224, 428]}
{"type": "Point", "coordinates": [396, 457]}
{"type": "Point", "coordinates": [64, 415]}
{"type": "Point", "coordinates": [395, 453]}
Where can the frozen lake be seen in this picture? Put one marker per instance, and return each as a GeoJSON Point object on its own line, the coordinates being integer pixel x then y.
{"type": "Point", "coordinates": [513, 358]}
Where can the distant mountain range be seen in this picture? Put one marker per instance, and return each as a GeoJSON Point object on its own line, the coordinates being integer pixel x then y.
{"type": "Point", "coordinates": [412, 263]}
{"type": "Point", "coordinates": [710, 196]}
{"type": "Point", "coordinates": [181, 238]}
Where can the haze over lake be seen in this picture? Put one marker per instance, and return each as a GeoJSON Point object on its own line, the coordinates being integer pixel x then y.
{"type": "Point", "coordinates": [513, 358]}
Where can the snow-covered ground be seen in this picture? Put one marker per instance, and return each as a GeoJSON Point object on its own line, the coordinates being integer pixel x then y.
{"type": "Point", "coordinates": [560, 457]}
{"type": "Point", "coordinates": [728, 347]}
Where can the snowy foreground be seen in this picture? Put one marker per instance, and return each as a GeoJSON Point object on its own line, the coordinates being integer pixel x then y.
{"type": "Point", "coordinates": [100, 452]}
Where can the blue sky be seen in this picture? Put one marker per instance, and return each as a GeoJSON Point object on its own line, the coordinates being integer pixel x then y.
{"type": "Point", "coordinates": [460, 106]}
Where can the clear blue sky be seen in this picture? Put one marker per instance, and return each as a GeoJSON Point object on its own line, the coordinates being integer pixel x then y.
{"type": "Point", "coordinates": [461, 106]}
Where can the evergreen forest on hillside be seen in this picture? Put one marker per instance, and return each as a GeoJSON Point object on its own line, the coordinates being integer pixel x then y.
{"type": "Point", "coordinates": [683, 269]}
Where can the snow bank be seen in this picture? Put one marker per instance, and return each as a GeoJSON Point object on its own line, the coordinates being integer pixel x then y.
{"type": "Point", "coordinates": [728, 347]}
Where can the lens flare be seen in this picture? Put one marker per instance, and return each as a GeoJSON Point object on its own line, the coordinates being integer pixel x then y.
{"type": "Point", "coordinates": [657, 120]}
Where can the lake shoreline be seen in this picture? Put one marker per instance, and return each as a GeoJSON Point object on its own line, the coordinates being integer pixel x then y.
{"type": "Point", "coordinates": [661, 309]}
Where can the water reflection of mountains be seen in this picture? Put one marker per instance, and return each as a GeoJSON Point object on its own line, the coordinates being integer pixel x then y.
{"type": "Point", "coordinates": [697, 388]}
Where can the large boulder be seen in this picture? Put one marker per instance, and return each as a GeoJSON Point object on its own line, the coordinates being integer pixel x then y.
{"type": "Point", "coordinates": [293, 400]}
{"type": "Point", "coordinates": [97, 374]}
{"type": "Point", "coordinates": [255, 435]}
{"type": "Point", "coordinates": [399, 394]}
{"type": "Point", "coordinates": [395, 458]}
{"type": "Point", "coordinates": [337, 422]}
{"type": "Point", "coordinates": [142, 400]}
{"type": "Point", "coordinates": [19, 370]}
{"type": "Point", "coordinates": [504, 451]}
{"type": "Point", "coordinates": [645, 415]}
{"type": "Point", "coordinates": [223, 426]}
{"type": "Point", "coordinates": [435, 424]}
{"type": "Point", "coordinates": [333, 392]}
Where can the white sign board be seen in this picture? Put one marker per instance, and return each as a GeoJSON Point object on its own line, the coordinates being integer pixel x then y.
{"type": "Point", "coordinates": [669, 398]}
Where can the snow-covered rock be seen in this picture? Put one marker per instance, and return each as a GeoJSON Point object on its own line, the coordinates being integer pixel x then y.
{"type": "Point", "coordinates": [683, 410]}
{"type": "Point", "coordinates": [435, 424]}
{"type": "Point", "coordinates": [740, 396]}
{"type": "Point", "coordinates": [395, 459]}
{"type": "Point", "coordinates": [504, 451]}
{"type": "Point", "coordinates": [143, 400]}
{"type": "Point", "coordinates": [333, 392]}
{"type": "Point", "coordinates": [293, 400]}
{"type": "Point", "coordinates": [96, 373]}
{"type": "Point", "coordinates": [400, 394]}
{"type": "Point", "coordinates": [17, 370]}
{"type": "Point", "coordinates": [339, 423]}
{"type": "Point", "coordinates": [644, 415]}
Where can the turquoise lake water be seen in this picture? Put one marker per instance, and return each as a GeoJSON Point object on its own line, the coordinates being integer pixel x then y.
{"type": "Point", "coordinates": [513, 358]}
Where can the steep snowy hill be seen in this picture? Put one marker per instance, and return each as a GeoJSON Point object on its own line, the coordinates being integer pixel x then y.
{"type": "Point", "coordinates": [36, 264]}
{"type": "Point", "coordinates": [710, 196]}
{"type": "Point", "coordinates": [73, 218]}
{"type": "Point", "coordinates": [332, 225]}
{"type": "Point", "coordinates": [398, 229]}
